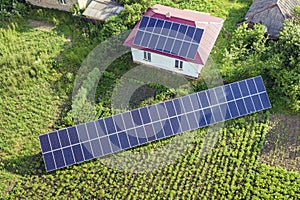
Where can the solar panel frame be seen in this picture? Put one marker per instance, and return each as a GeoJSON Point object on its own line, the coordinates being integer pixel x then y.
{"type": "Point", "coordinates": [97, 139]}
{"type": "Point", "coordinates": [173, 38]}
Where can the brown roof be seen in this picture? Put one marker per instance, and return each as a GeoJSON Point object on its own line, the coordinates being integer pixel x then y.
{"type": "Point", "coordinates": [271, 13]}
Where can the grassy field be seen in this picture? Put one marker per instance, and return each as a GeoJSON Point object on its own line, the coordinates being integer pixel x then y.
{"type": "Point", "coordinates": [39, 57]}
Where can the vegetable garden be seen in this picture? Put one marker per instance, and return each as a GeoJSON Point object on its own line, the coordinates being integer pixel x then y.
{"type": "Point", "coordinates": [37, 76]}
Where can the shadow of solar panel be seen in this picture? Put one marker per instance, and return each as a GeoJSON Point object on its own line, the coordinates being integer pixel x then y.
{"type": "Point", "coordinates": [119, 132]}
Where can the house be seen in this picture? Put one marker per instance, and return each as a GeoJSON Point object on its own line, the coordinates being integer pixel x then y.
{"type": "Point", "coordinates": [94, 9]}
{"type": "Point", "coordinates": [173, 39]}
{"type": "Point", "coordinates": [271, 13]}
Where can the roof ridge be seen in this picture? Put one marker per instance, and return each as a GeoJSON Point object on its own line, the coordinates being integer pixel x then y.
{"type": "Point", "coordinates": [266, 8]}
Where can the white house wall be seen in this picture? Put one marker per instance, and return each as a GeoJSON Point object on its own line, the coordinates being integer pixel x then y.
{"type": "Point", "coordinates": [167, 63]}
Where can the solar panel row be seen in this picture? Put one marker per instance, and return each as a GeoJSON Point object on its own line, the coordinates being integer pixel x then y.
{"type": "Point", "coordinates": [112, 134]}
{"type": "Point", "coordinates": [168, 37]}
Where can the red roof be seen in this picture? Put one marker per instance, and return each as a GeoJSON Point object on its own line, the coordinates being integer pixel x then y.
{"type": "Point", "coordinates": [211, 25]}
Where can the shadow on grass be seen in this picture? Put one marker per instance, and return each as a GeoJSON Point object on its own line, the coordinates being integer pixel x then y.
{"type": "Point", "coordinates": [25, 165]}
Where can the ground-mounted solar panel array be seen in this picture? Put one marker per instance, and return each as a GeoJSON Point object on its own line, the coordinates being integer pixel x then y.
{"type": "Point", "coordinates": [133, 128]}
{"type": "Point", "coordinates": [168, 37]}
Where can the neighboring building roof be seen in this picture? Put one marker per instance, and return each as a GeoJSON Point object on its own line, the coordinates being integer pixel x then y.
{"type": "Point", "coordinates": [271, 13]}
{"type": "Point", "coordinates": [211, 28]}
{"type": "Point", "coordinates": [102, 10]}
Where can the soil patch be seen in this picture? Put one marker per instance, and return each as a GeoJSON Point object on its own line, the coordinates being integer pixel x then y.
{"type": "Point", "coordinates": [282, 145]}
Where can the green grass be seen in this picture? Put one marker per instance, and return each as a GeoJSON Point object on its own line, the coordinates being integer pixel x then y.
{"type": "Point", "coordinates": [37, 74]}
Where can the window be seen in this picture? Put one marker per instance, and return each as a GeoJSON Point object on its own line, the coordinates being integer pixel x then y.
{"type": "Point", "coordinates": [147, 56]}
{"type": "Point", "coordinates": [178, 64]}
{"type": "Point", "coordinates": [63, 2]}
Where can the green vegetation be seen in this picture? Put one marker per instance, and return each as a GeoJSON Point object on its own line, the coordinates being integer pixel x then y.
{"type": "Point", "coordinates": [38, 64]}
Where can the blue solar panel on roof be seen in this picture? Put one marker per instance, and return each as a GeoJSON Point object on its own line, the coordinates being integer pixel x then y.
{"type": "Point", "coordinates": [116, 133]}
{"type": "Point", "coordinates": [168, 37]}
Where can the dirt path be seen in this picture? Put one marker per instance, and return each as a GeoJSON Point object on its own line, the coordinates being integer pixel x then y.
{"type": "Point", "coordinates": [41, 25]}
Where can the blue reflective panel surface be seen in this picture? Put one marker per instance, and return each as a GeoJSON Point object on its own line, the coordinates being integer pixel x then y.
{"type": "Point", "coordinates": [174, 30]}
{"type": "Point", "coordinates": [184, 49]}
{"type": "Point", "coordinates": [208, 116]}
{"type": "Point", "coordinates": [162, 111]}
{"type": "Point", "coordinates": [110, 125]}
{"type": "Point", "coordinates": [124, 140]}
{"type": "Point", "coordinates": [182, 31]}
{"type": "Point", "coordinates": [158, 26]}
{"type": "Point", "coordinates": [119, 122]}
{"type": "Point", "coordinates": [68, 156]}
{"type": "Point", "coordinates": [241, 107]}
{"type": "Point", "coordinates": [186, 104]}
{"type": "Point", "coordinates": [192, 51]}
{"type": "Point", "coordinates": [141, 135]}
{"type": "Point", "coordinates": [49, 161]}
{"type": "Point", "coordinates": [63, 138]}
{"type": "Point", "coordinates": [184, 124]}
{"type": "Point", "coordinates": [192, 120]}
{"type": "Point", "coordinates": [150, 132]}
{"type": "Point", "coordinates": [257, 102]}
{"type": "Point", "coordinates": [136, 117]}
{"type": "Point", "coordinates": [161, 43]}
{"type": "Point", "coordinates": [178, 106]}
{"type": "Point", "coordinates": [198, 35]}
{"type": "Point", "coordinates": [45, 144]}
{"type": "Point", "coordinates": [144, 22]}
{"type": "Point", "coordinates": [96, 148]}
{"type": "Point", "coordinates": [82, 133]}
{"type": "Point", "coordinates": [203, 99]}
{"type": "Point", "coordinates": [212, 98]}
{"type": "Point", "coordinates": [265, 100]}
{"type": "Point", "coordinates": [92, 132]}
{"type": "Point", "coordinates": [228, 93]}
{"type": "Point", "coordinates": [167, 128]}
{"type": "Point", "coordinates": [114, 141]}
{"type": "Point", "coordinates": [54, 141]}
{"type": "Point", "coordinates": [153, 113]}
{"type": "Point", "coordinates": [101, 127]}
{"type": "Point", "coordinates": [105, 144]}
{"type": "Point", "coordinates": [190, 33]}
{"type": "Point", "coordinates": [146, 39]}
{"type": "Point", "coordinates": [153, 41]}
{"type": "Point", "coordinates": [200, 118]}
{"type": "Point", "coordinates": [233, 109]}
{"type": "Point", "coordinates": [166, 29]}
{"type": "Point", "coordinates": [87, 150]}
{"type": "Point", "coordinates": [158, 127]}
{"type": "Point", "coordinates": [216, 112]}
{"type": "Point", "coordinates": [225, 111]}
{"type": "Point", "coordinates": [195, 102]}
{"type": "Point", "coordinates": [170, 108]}
{"type": "Point", "coordinates": [220, 94]}
{"type": "Point", "coordinates": [138, 38]}
{"type": "Point", "coordinates": [73, 135]}
{"type": "Point", "coordinates": [259, 84]}
{"type": "Point", "coordinates": [176, 47]}
{"type": "Point", "coordinates": [244, 88]}
{"type": "Point", "coordinates": [145, 115]}
{"type": "Point", "coordinates": [249, 105]}
{"type": "Point", "coordinates": [59, 159]}
{"type": "Point", "coordinates": [132, 137]}
{"type": "Point", "coordinates": [78, 153]}
{"type": "Point", "coordinates": [175, 125]}
{"type": "Point", "coordinates": [236, 91]}
{"type": "Point", "coordinates": [251, 86]}
{"type": "Point", "coordinates": [169, 45]}
{"type": "Point", "coordinates": [151, 25]}
{"type": "Point", "coordinates": [128, 120]}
